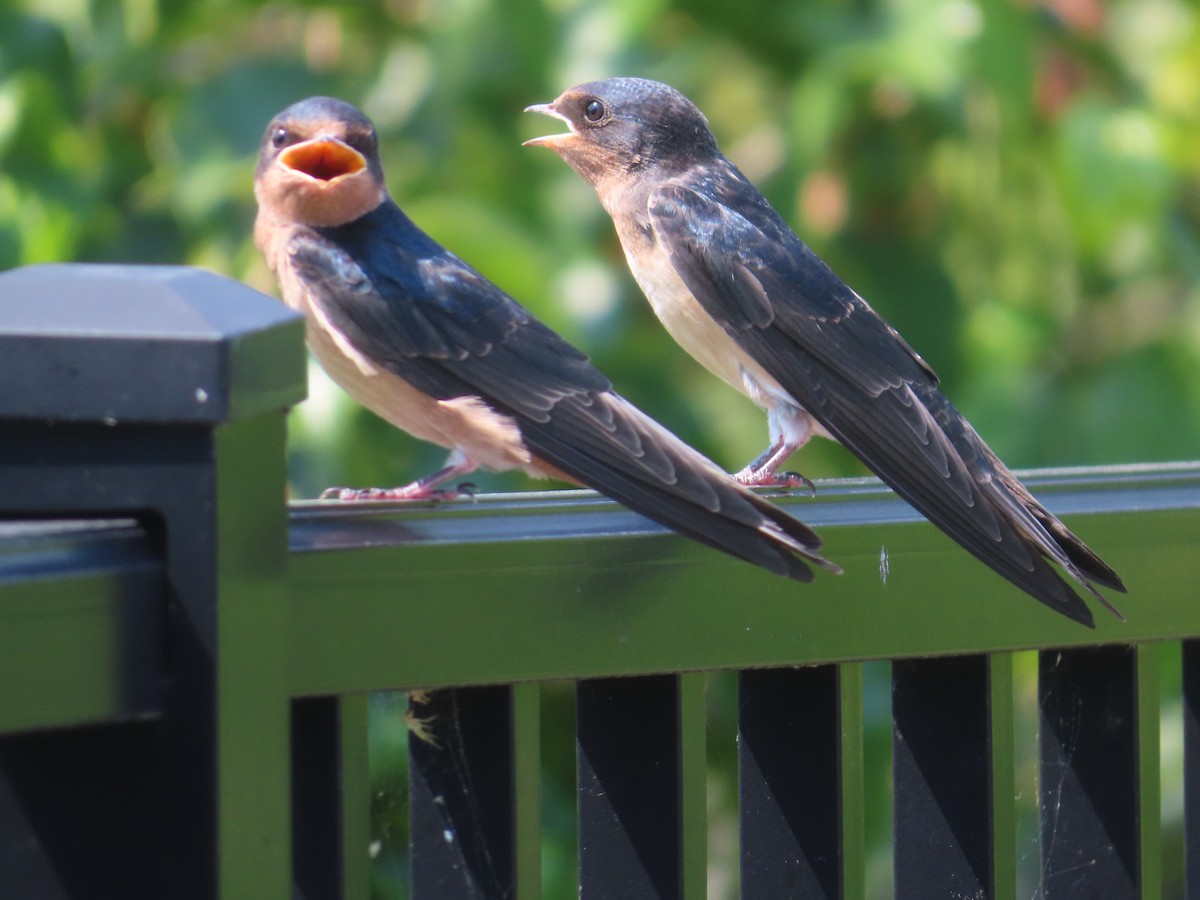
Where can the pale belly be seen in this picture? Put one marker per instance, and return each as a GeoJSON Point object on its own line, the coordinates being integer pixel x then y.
{"type": "Point", "coordinates": [489, 439]}
{"type": "Point", "coordinates": [699, 334]}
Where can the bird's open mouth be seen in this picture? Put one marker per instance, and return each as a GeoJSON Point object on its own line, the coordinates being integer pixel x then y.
{"type": "Point", "coordinates": [323, 159]}
{"type": "Point", "coordinates": [549, 140]}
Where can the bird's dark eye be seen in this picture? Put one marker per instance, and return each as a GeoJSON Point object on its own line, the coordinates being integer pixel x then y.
{"type": "Point", "coordinates": [281, 137]}
{"type": "Point", "coordinates": [593, 111]}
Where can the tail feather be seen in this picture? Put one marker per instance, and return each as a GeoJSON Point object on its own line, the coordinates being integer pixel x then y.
{"type": "Point", "coordinates": [742, 524]}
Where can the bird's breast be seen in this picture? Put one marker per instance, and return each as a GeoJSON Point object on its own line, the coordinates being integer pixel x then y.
{"type": "Point", "coordinates": [491, 439]}
{"type": "Point", "coordinates": [691, 325]}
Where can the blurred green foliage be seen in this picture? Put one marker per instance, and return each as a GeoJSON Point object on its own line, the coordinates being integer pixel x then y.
{"type": "Point", "coordinates": [1014, 184]}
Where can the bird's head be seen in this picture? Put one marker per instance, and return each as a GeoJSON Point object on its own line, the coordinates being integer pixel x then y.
{"type": "Point", "coordinates": [319, 164]}
{"type": "Point", "coordinates": [622, 126]}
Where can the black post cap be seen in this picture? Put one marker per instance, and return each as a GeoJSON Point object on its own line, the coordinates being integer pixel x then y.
{"type": "Point", "coordinates": [166, 344]}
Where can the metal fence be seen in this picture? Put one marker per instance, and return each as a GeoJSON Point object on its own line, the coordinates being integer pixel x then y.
{"type": "Point", "coordinates": [184, 659]}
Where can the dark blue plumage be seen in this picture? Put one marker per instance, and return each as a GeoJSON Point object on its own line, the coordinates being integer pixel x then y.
{"type": "Point", "coordinates": [434, 347]}
{"type": "Point", "coordinates": [742, 293]}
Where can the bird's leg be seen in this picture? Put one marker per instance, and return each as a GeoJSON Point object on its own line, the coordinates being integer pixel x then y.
{"type": "Point", "coordinates": [427, 488]}
{"type": "Point", "coordinates": [790, 428]}
{"type": "Point", "coordinates": [763, 472]}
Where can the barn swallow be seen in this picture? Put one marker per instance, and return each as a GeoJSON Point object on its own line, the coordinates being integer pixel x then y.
{"type": "Point", "coordinates": [433, 347]}
{"type": "Point", "coordinates": [751, 302]}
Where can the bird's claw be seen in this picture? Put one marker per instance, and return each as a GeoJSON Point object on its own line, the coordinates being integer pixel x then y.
{"type": "Point", "coordinates": [788, 480]}
{"type": "Point", "coordinates": [784, 481]}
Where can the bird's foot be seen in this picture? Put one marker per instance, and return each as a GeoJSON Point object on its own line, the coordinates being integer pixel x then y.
{"type": "Point", "coordinates": [752, 477]}
{"type": "Point", "coordinates": [415, 491]}
{"type": "Point", "coordinates": [427, 488]}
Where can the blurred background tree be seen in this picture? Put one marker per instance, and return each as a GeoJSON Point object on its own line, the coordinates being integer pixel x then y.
{"type": "Point", "coordinates": [1014, 184]}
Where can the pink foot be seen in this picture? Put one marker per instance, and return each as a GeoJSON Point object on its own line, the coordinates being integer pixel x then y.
{"type": "Point", "coordinates": [752, 477]}
{"type": "Point", "coordinates": [427, 488]}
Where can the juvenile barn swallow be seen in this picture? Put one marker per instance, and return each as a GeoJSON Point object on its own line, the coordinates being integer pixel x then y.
{"type": "Point", "coordinates": [430, 345]}
{"type": "Point", "coordinates": [744, 295]}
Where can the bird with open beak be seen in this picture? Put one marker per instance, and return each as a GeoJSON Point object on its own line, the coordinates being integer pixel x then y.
{"type": "Point", "coordinates": [735, 286]}
{"type": "Point", "coordinates": [430, 345]}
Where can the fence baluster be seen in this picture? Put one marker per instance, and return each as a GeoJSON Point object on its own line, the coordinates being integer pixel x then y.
{"type": "Point", "coordinates": [792, 778]}
{"type": "Point", "coordinates": [1191, 766]}
{"type": "Point", "coordinates": [1099, 734]}
{"type": "Point", "coordinates": [464, 808]}
{"type": "Point", "coordinates": [641, 787]}
{"type": "Point", "coordinates": [330, 797]}
{"type": "Point", "coordinates": [952, 748]}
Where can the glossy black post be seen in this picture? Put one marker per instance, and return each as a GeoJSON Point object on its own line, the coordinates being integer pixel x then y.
{"type": "Point", "coordinates": [630, 783]}
{"type": "Point", "coordinates": [789, 765]}
{"type": "Point", "coordinates": [330, 797]}
{"type": "Point", "coordinates": [1089, 790]}
{"type": "Point", "coordinates": [151, 392]}
{"type": "Point", "coordinates": [462, 807]}
{"type": "Point", "coordinates": [941, 765]}
{"type": "Point", "coordinates": [1191, 766]}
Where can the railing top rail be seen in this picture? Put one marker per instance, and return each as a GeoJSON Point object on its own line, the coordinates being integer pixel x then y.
{"type": "Point", "coordinates": [567, 585]}
{"type": "Point", "coordinates": [564, 584]}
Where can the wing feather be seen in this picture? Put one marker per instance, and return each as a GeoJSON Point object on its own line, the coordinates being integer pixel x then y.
{"type": "Point", "coordinates": [407, 304]}
{"type": "Point", "coordinates": [851, 371]}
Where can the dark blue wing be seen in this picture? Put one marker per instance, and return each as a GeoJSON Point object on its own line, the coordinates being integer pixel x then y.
{"type": "Point", "coordinates": [851, 370]}
{"type": "Point", "coordinates": [407, 304]}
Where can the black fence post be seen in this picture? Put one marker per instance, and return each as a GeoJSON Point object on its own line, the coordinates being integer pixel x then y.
{"type": "Point", "coordinates": [473, 793]}
{"type": "Point", "coordinates": [330, 797]}
{"type": "Point", "coordinates": [1099, 778]}
{"type": "Point", "coordinates": [792, 782]}
{"type": "Point", "coordinates": [158, 393]}
{"type": "Point", "coordinates": [1191, 767]}
{"type": "Point", "coordinates": [953, 773]}
{"type": "Point", "coordinates": [640, 774]}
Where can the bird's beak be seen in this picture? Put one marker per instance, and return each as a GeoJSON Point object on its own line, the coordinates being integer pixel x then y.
{"type": "Point", "coordinates": [549, 140]}
{"type": "Point", "coordinates": [323, 159]}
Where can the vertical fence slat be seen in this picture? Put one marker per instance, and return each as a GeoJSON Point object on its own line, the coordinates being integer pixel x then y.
{"type": "Point", "coordinates": [527, 791]}
{"type": "Point", "coordinates": [461, 804]}
{"type": "Point", "coordinates": [316, 821]}
{"type": "Point", "coordinates": [853, 783]}
{"type": "Point", "coordinates": [1099, 736]}
{"type": "Point", "coordinates": [355, 812]}
{"type": "Point", "coordinates": [789, 760]}
{"type": "Point", "coordinates": [942, 772]}
{"type": "Point", "coordinates": [1002, 724]}
{"type": "Point", "coordinates": [1191, 766]}
{"type": "Point", "coordinates": [693, 784]}
{"type": "Point", "coordinates": [330, 798]}
{"type": "Point", "coordinates": [635, 792]}
{"type": "Point", "coordinates": [252, 763]}
{"type": "Point", "coordinates": [1149, 774]}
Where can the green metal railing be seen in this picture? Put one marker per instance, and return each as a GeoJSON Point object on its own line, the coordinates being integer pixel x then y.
{"type": "Point", "coordinates": [575, 568]}
{"type": "Point", "coordinates": [178, 639]}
